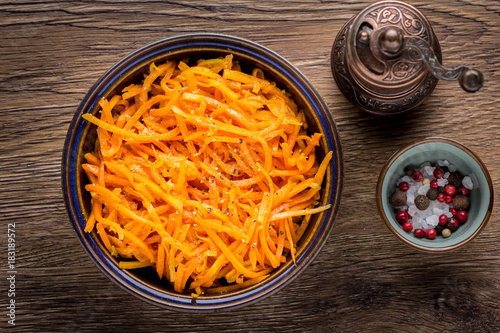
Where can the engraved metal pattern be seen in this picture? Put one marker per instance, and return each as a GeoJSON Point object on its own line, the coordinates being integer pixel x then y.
{"type": "Point", "coordinates": [372, 103]}
{"type": "Point", "coordinates": [402, 16]}
{"type": "Point", "coordinates": [412, 24]}
{"type": "Point", "coordinates": [402, 69]}
{"type": "Point", "coordinates": [423, 53]}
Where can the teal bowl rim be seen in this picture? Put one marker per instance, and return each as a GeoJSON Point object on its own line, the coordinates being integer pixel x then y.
{"type": "Point", "coordinates": [398, 232]}
{"type": "Point", "coordinates": [78, 129]}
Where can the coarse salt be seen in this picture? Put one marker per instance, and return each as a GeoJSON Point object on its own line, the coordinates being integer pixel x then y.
{"type": "Point", "coordinates": [467, 183]}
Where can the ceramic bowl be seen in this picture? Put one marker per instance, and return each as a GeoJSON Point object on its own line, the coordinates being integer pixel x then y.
{"type": "Point", "coordinates": [81, 139]}
{"type": "Point", "coordinates": [467, 163]}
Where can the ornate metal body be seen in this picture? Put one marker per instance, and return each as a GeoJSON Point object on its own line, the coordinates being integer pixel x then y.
{"type": "Point", "coordinates": [387, 59]}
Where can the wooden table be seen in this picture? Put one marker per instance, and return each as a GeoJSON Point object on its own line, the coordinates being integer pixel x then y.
{"type": "Point", "coordinates": [364, 279]}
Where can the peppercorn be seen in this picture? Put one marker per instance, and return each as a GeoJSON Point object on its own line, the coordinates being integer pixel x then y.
{"type": "Point", "coordinates": [404, 186]}
{"type": "Point", "coordinates": [439, 228]}
{"type": "Point", "coordinates": [446, 233]}
{"type": "Point", "coordinates": [450, 190]}
{"type": "Point", "coordinates": [464, 190]}
{"type": "Point", "coordinates": [441, 197]}
{"type": "Point", "coordinates": [461, 202]}
{"type": "Point", "coordinates": [408, 170]}
{"type": "Point", "coordinates": [448, 199]}
{"type": "Point", "coordinates": [430, 233]}
{"type": "Point", "coordinates": [432, 194]}
{"type": "Point", "coordinates": [422, 202]}
{"type": "Point", "coordinates": [453, 224]}
{"type": "Point", "coordinates": [419, 233]}
{"type": "Point", "coordinates": [462, 216]}
{"type": "Point", "coordinates": [438, 173]}
{"type": "Point", "coordinates": [398, 198]}
{"type": "Point", "coordinates": [455, 179]}
{"type": "Point", "coordinates": [402, 216]}
{"type": "Point", "coordinates": [441, 189]}
{"type": "Point", "coordinates": [407, 226]}
{"type": "Point", "coordinates": [417, 176]}
{"type": "Point", "coordinates": [443, 219]}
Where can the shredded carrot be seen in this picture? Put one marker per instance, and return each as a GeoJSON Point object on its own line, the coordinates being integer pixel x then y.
{"type": "Point", "coordinates": [201, 173]}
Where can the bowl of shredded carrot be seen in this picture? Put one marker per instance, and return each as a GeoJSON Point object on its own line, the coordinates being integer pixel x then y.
{"type": "Point", "coordinates": [202, 172]}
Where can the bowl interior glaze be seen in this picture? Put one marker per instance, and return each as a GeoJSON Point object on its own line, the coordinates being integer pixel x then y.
{"type": "Point", "coordinates": [82, 136]}
{"type": "Point", "coordinates": [467, 163]}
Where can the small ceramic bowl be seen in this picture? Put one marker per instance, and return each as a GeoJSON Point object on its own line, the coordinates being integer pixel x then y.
{"type": "Point", "coordinates": [82, 135]}
{"type": "Point", "coordinates": [466, 162]}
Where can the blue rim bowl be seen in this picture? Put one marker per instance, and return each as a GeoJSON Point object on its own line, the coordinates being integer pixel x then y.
{"type": "Point", "coordinates": [467, 163]}
{"type": "Point", "coordinates": [82, 135]}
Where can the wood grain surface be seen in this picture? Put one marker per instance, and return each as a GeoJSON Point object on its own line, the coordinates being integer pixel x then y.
{"type": "Point", "coordinates": [364, 279]}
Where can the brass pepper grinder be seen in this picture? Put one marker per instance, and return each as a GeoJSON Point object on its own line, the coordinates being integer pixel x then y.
{"type": "Point", "coordinates": [387, 60]}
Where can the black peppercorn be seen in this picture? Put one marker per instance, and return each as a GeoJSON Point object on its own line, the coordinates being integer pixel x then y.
{"type": "Point", "coordinates": [461, 202]}
{"type": "Point", "coordinates": [441, 189]}
{"type": "Point", "coordinates": [422, 202]}
{"type": "Point", "coordinates": [439, 228]}
{"type": "Point", "coordinates": [409, 170]}
{"type": "Point", "coordinates": [432, 194]}
{"type": "Point", "coordinates": [455, 179]}
{"type": "Point", "coordinates": [398, 198]}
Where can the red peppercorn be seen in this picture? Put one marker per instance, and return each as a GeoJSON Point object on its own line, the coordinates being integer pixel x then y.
{"type": "Point", "coordinates": [462, 216]}
{"type": "Point", "coordinates": [450, 190]}
{"type": "Point", "coordinates": [417, 176]}
{"type": "Point", "coordinates": [453, 211]}
{"type": "Point", "coordinates": [407, 226]}
{"type": "Point", "coordinates": [419, 233]}
{"type": "Point", "coordinates": [404, 186]}
{"type": "Point", "coordinates": [430, 233]}
{"type": "Point", "coordinates": [453, 224]}
{"type": "Point", "coordinates": [443, 219]}
{"type": "Point", "coordinates": [409, 216]}
{"type": "Point", "coordinates": [438, 173]}
{"type": "Point", "coordinates": [464, 190]}
{"type": "Point", "coordinates": [448, 199]}
{"type": "Point", "coordinates": [441, 197]}
{"type": "Point", "coordinates": [434, 184]}
{"type": "Point", "coordinates": [402, 217]}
